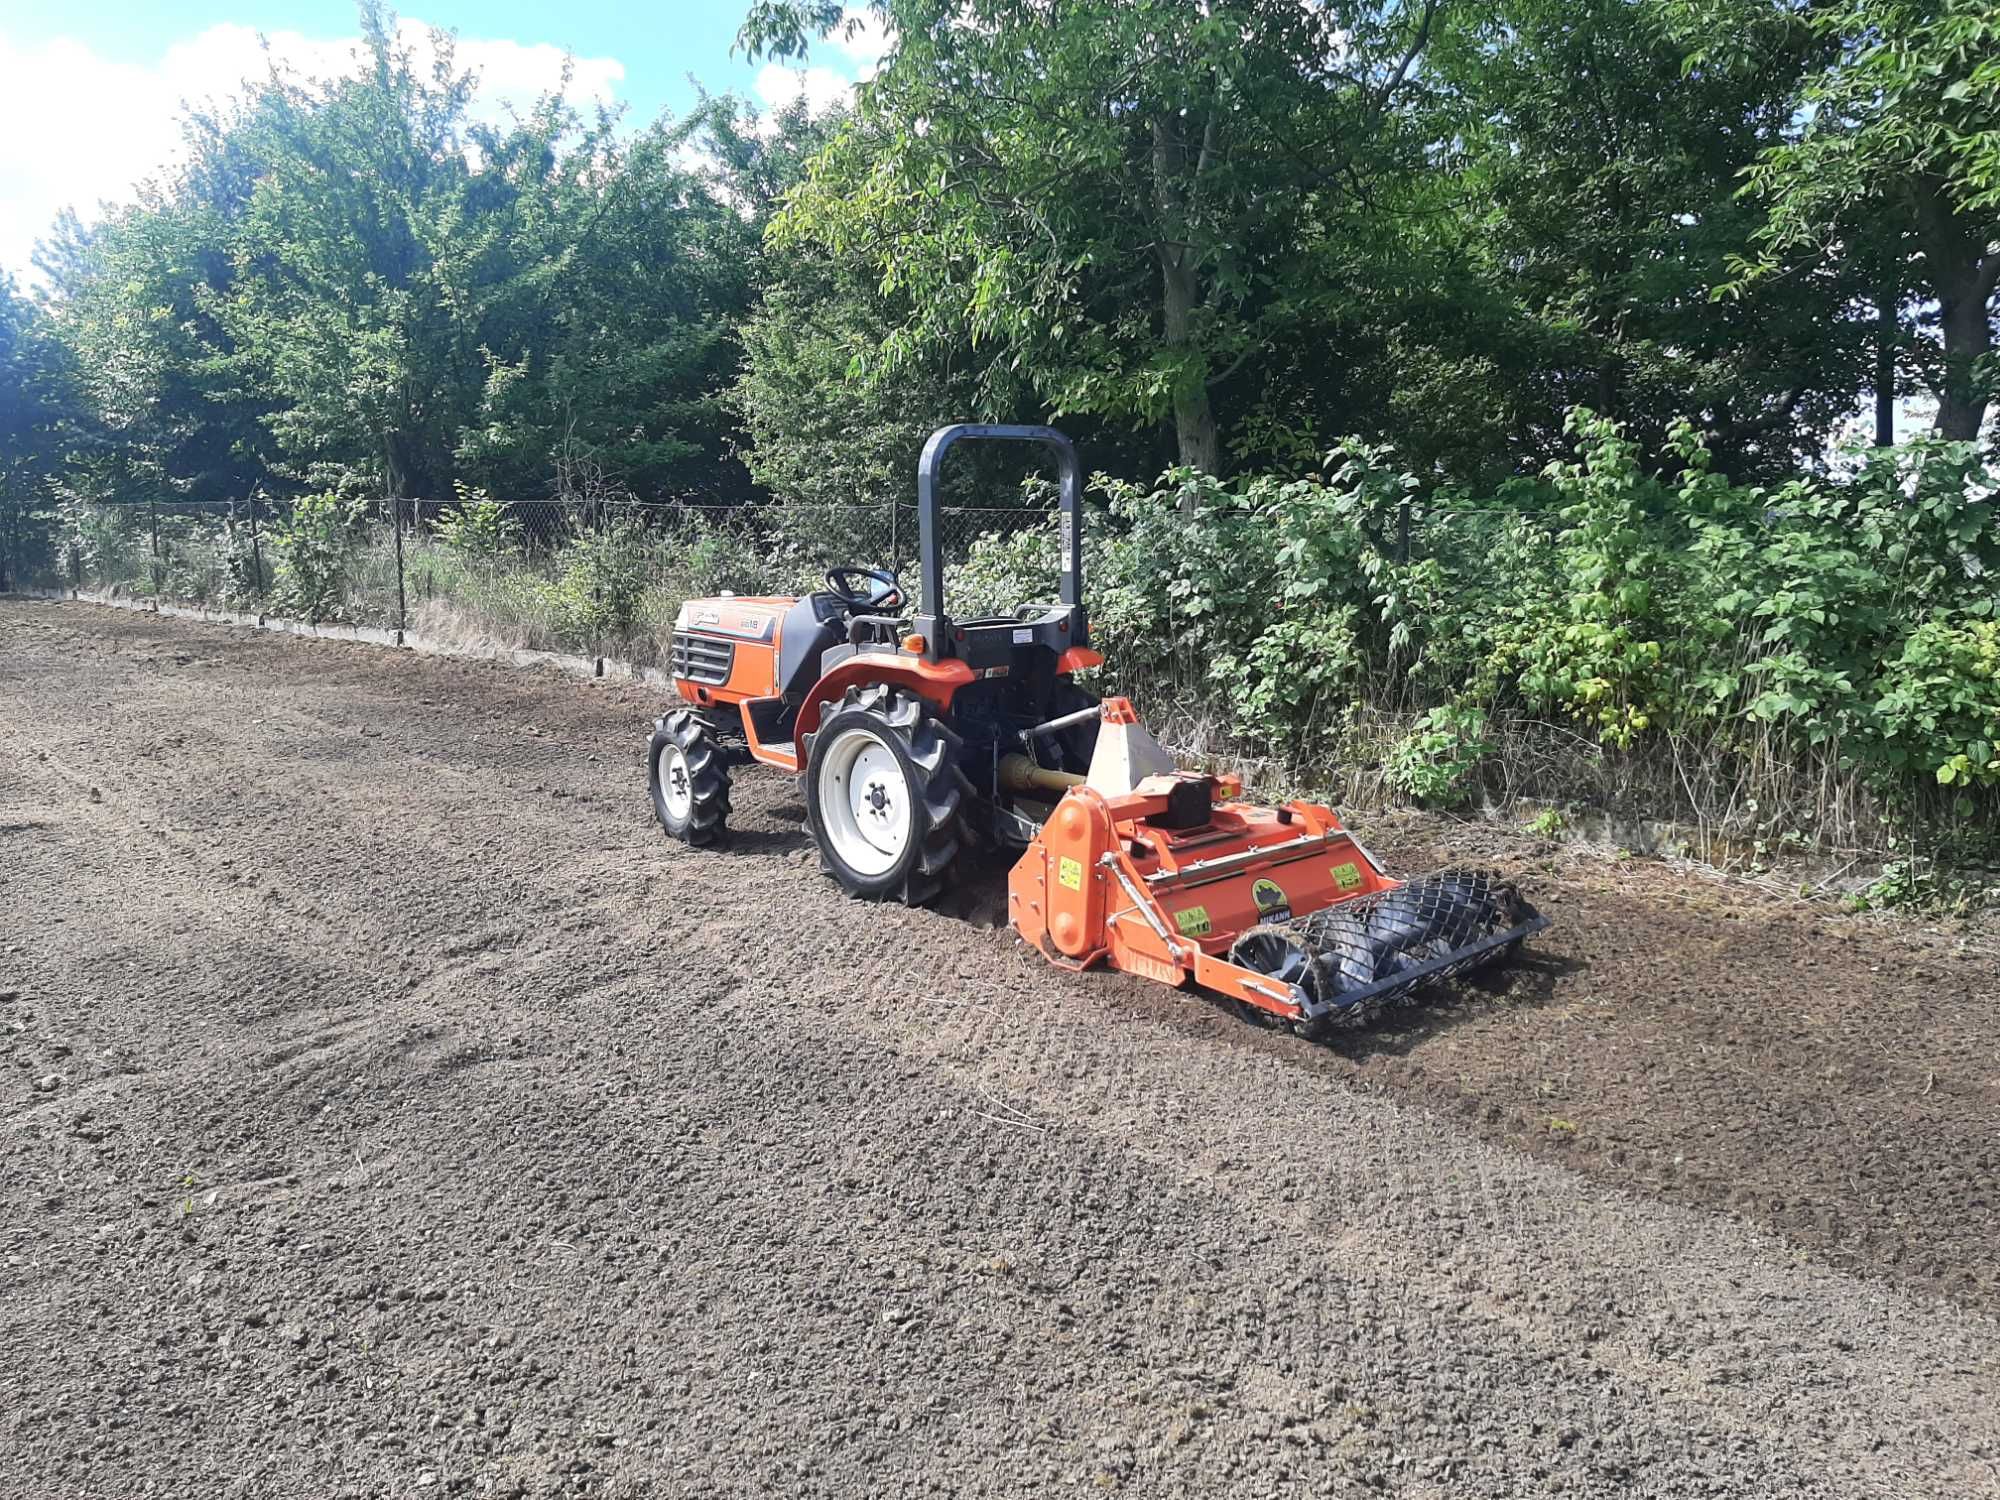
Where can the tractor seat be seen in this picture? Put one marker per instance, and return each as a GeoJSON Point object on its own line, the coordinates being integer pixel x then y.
{"type": "Point", "coordinates": [811, 627]}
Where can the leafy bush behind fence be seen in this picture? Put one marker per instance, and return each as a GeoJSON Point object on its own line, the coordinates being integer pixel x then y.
{"type": "Point", "coordinates": [1816, 664]}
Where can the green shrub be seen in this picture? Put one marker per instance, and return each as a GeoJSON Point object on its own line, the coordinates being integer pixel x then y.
{"type": "Point", "coordinates": [709, 557]}
{"type": "Point", "coordinates": [100, 541]}
{"type": "Point", "coordinates": [1437, 763]}
{"type": "Point", "coordinates": [1799, 662]}
{"type": "Point", "coordinates": [242, 582]}
{"type": "Point", "coordinates": [1003, 570]}
{"type": "Point", "coordinates": [1939, 709]}
{"type": "Point", "coordinates": [478, 526]}
{"type": "Point", "coordinates": [1548, 825]}
{"type": "Point", "coordinates": [312, 548]}
{"type": "Point", "coordinates": [600, 584]}
{"type": "Point", "coordinates": [1754, 641]}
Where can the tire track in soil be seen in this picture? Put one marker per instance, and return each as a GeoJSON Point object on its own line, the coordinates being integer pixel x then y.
{"type": "Point", "coordinates": [682, 1175]}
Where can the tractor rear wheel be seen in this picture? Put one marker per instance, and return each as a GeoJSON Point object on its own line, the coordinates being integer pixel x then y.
{"type": "Point", "coordinates": [689, 778]}
{"type": "Point", "coordinates": [883, 795]}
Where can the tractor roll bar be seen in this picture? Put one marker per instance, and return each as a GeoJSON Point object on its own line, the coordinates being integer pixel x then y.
{"type": "Point", "coordinates": [930, 544]}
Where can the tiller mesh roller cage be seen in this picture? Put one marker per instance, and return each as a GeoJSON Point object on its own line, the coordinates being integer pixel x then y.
{"type": "Point", "coordinates": [1350, 960]}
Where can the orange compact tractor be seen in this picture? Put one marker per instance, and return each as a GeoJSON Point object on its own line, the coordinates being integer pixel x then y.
{"type": "Point", "coordinates": [914, 734]}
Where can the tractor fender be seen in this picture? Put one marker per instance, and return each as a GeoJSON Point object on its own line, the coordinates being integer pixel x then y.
{"type": "Point", "coordinates": [933, 681]}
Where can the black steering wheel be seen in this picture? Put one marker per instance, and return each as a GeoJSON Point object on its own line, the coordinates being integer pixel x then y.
{"type": "Point", "coordinates": [883, 594]}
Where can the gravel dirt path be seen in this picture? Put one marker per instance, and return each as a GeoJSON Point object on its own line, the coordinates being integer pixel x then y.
{"type": "Point", "coordinates": [385, 1109]}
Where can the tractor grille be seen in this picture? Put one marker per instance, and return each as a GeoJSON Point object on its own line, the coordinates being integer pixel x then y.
{"type": "Point", "coordinates": [702, 658]}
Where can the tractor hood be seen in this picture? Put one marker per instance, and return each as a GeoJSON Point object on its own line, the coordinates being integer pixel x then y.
{"type": "Point", "coordinates": [747, 619]}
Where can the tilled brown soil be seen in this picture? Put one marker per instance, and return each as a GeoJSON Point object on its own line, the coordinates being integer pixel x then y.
{"type": "Point", "coordinates": [385, 1109]}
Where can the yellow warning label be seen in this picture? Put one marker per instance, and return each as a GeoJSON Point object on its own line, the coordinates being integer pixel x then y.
{"type": "Point", "coordinates": [1193, 922]}
{"type": "Point", "coordinates": [1347, 876]}
{"type": "Point", "coordinates": [1069, 873]}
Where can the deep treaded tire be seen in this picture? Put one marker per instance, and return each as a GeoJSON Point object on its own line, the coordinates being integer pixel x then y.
{"type": "Point", "coordinates": [689, 779]}
{"type": "Point", "coordinates": [883, 795]}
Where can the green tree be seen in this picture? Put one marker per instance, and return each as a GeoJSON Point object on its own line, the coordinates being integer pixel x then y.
{"type": "Point", "coordinates": [1597, 208]}
{"type": "Point", "coordinates": [28, 420]}
{"type": "Point", "coordinates": [616, 337]}
{"type": "Point", "coordinates": [159, 408]}
{"type": "Point", "coordinates": [362, 267]}
{"type": "Point", "coordinates": [832, 432]}
{"type": "Point", "coordinates": [1901, 125]}
{"type": "Point", "coordinates": [1116, 201]}
{"type": "Point", "coordinates": [428, 299]}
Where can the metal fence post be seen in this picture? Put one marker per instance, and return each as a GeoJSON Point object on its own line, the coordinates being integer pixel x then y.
{"type": "Point", "coordinates": [402, 599]}
{"type": "Point", "coordinates": [159, 579]}
{"type": "Point", "coordinates": [256, 554]}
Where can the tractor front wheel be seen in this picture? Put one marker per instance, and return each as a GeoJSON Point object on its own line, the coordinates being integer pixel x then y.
{"type": "Point", "coordinates": [883, 793]}
{"type": "Point", "coordinates": [689, 778]}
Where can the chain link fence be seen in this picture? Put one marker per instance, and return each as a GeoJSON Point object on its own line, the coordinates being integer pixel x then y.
{"type": "Point", "coordinates": [599, 577]}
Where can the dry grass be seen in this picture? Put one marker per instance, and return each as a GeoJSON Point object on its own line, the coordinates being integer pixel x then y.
{"type": "Point", "coordinates": [1744, 800]}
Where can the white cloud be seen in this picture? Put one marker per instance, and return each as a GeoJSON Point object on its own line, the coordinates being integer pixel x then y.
{"type": "Point", "coordinates": [77, 128]}
{"type": "Point", "coordinates": [778, 85]}
{"type": "Point", "coordinates": [867, 43]}
{"type": "Point", "coordinates": [853, 59]}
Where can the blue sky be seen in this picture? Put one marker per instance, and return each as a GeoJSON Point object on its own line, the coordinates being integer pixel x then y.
{"type": "Point", "coordinates": [89, 90]}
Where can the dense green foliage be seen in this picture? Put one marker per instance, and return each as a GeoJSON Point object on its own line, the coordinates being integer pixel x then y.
{"type": "Point", "coordinates": [311, 548]}
{"type": "Point", "coordinates": [1496, 356]}
{"type": "Point", "coordinates": [1896, 161]}
{"type": "Point", "coordinates": [1765, 635]}
{"type": "Point", "coordinates": [1256, 228]}
{"type": "Point", "coordinates": [1227, 235]}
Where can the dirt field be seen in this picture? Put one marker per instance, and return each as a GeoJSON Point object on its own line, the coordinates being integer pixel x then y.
{"type": "Point", "coordinates": [389, 1110]}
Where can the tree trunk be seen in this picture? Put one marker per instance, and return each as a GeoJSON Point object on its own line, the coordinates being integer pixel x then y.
{"type": "Point", "coordinates": [1885, 368]}
{"type": "Point", "coordinates": [1194, 415]}
{"type": "Point", "coordinates": [1195, 432]}
{"type": "Point", "coordinates": [395, 474]}
{"type": "Point", "coordinates": [1968, 335]}
{"type": "Point", "coordinates": [1607, 388]}
{"type": "Point", "coordinates": [1962, 275]}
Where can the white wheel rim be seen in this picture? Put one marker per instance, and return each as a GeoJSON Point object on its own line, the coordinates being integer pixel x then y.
{"type": "Point", "coordinates": [676, 786]}
{"type": "Point", "coordinates": [864, 802]}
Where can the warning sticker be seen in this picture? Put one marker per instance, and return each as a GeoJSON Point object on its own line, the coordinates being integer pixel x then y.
{"type": "Point", "coordinates": [1069, 873]}
{"type": "Point", "coordinates": [1347, 876]}
{"type": "Point", "coordinates": [1193, 922]}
